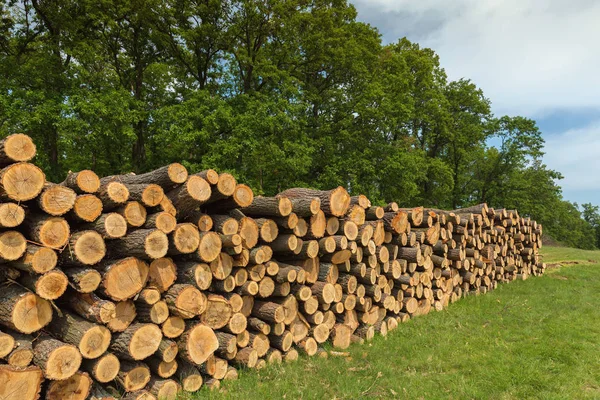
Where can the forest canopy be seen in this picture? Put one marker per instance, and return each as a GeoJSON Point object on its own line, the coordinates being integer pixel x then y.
{"type": "Point", "coordinates": [281, 93]}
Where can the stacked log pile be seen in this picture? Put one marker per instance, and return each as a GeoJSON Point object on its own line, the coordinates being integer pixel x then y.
{"type": "Point", "coordinates": [142, 286]}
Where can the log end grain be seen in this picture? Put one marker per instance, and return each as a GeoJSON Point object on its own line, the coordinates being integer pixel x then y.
{"type": "Point", "coordinates": [22, 181]}
{"type": "Point", "coordinates": [11, 215]}
{"type": "Point", "coordinates": [87, 207]}
{"type": "Point", "coordinates": [76, 387]}
{"type": "Point", "coordinates": [57, 200]}
{"type": "Point", "coordinates": [12, 245]}
{"type": "Point", "coordinates": [18, 147]}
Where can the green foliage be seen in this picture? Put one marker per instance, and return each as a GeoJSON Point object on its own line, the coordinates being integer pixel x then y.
{"type": "Point", "coordinates": [280, 93]}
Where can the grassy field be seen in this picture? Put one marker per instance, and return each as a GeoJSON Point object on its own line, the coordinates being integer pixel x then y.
{"type": "Point", "coordinates": [533, 339]}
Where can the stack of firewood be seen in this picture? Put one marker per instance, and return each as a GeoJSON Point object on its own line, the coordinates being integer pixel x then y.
{"type": "Point", "coordinates": [146, 285]}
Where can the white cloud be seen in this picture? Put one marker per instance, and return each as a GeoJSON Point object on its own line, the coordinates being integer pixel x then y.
{"type": "Point", "coordinates": [576, 154]}
{"type": "Point", "coordinates": [529, 56]}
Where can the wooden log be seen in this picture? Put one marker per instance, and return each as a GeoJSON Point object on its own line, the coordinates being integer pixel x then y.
{"type": "Point", "coordinates": [12, 245]}
{"type": "Point", "coordinates": [162, 368]}
{"type": "Point", "coordinates": [37, 259]}
{"type": "Point", "coordinates": [22, 310]}
{"type": "Point", "coordinates": [217, 312]}
{"type": "Point", "coordinates": [20, 383]}
{"type": "Point", "coordinates": [85, 248]}
{"type": "Point", "coordinates": [190, 195]}
{"type": "Point", "coordinates": [306, 207]}
{"type": "Point", "coordinates": [199, 274]}
{"type": "Point", "coordinates": [92, 340]}
{"type": "Point", "coordinates": [137, 342]}
{"type": "Point", "coordinates": [197, 343]}
{"type": "Point", "coordinates": [148, 194]}
{"type": "Point", "coordinates": [76, 387]}
{"type": "Point", "coordinates": [47, 231]}
{"type": "Point", "coordinates": [189, 376]}
{"type": "Point", "coordinates": [57, 360]}
{"type": "Point", "coordinates": [268, 230]}
{"type": "Point", "coordinates": [164, 389]}
{"type": "Point", "coordinates": [91, 307]}
{"type": "Point", "coordinates": [162, 274]}
{"type": "Point", "coordinates": [11, 215]}
{"type": "Point", "coordinates": [142, 243]}
{"type": "Point", "coordinates": [83, 279]}
{"type": "Point", "coordinates": [204, 222]}
{"type": "Point", "coordinates": [278, 206]}
{"type": "Point", "coordinates": [166, 177]}
{"type": "Point", "coordinates": [50, 285]}
{"type": "Point", "coordinates": [134, 213]}
{"type": "Point", "coordinates": [109, 226]}
{"type": "Point", "coordinates": [184, 239]}
{"type": "Point", "coordinates": [114, 286]}
{"type": "Point", "coordinates": [87, 208]}
{"type": "Point", "coordinates": [247, 357]}
{"type": "Point", "coordinates": [21, 181]}
{"type": "Point", "coordinates": [333, 202]}
{"type": "Point", "coordinates": [173, 327]}
{"type": "Point", "coordinates": [163, 221]}
{"type": "Point", "coordinates": [112, 194]}
{"type": "Point", "coordinates": [156, 313]}
{"type": "Point", "coordinates": [185, 301]}
{"type": "Point", "coordinates": [225, 224]}
{"type": "Point", "coordinates": [85, 181]}
{"type": "Point", "coordinates": [133, 376]}
{"type": "Point", "coordinates": [54, 199]}
{"type": "Point", "coordinates": [104, 368]}
{"type": "Point", "coordinates": [21, 350]}
{"type": "Point", "coordinates": [15, 148]}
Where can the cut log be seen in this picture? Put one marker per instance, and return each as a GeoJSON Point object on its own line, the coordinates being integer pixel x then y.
{"type": "Point", "coordinates": [197, 343]}
{"type": "Point", "coordinates": [333, 202]}
{"type": "Point", "coordinates": [156, 313]}
{"type": "Point", "coordinates": [87, 208]}
{"type": "Point", "coordinates": [150, 195]}
{"type": "Point", "coordinates": [85, 248]}
{"type": "Point", "coordinates": [21, 181]}
{"type": "Point", "coordinates": [185, 301]}
{"type": "Point", "coordinates": [133, 376]}
{"type": "Point", "coordinates": [37, 259]}
{"type": "Point", "coordinates": [137, 342]}
{"type": "Point", "coordinates": [204, 222]}
{"type": "Point", "coordinates": [11, 215]}
{"type": "Point", "coordinates": [246, 357]}
{"type": "Point", "coordinates": [17, 147]}
{"type": "Point", "coordinates": [113, 194]}
{"type": "Point", "coordinates": [56, 200]}
{"type": "Point", "coordinates": [85, 181]}
{"type": "Point", "coordinates": [173, 327]}
{"type": "Point", "coordinates": [142, 243]}
{"type": "Point", "coordinates": [162, 274]}
{"type": "Point", "coordinates": [12, 245]}
{"type": "Point", "coordinates": [134, 213]}
{"type": "Point", "coordinates": [162, 368]}
{"type": "Point", "coordinates": [217, 312]}
{"type": "Point", "coordinates": [92, 340]}
{"type": "Point", "coordinates": [113, 271]}
{"type": "Point", "coordinates": [279, 206]}
{"type": "Point", "coordinates": [22, 310]}
{"type": "Point", "coordinates": [57, 360]}
{"type": "Point", "coordinates": [164, 389]}
{"type": "Point", "coordinates": [91, 307]}
{"type": "Point", "coordinates": [189, 196]}
{"type": "Point", "coordinates": [166, 177]}
{"type": "Point", "coordinates": [21, 354]}
{"type": "Point", "coordinates": [185, 239]}
{"type": "Point", "coordinates": [83, 279]}
{"type": "Point", "coordinates": [189, 376]}
{"type": "Point", "coordinates": [195, 273]}
{"type": "Point", "coordinates": [76, 387]}
{"type": "Point", "coordinates": [163, 221]}
{"type": "Point", "coordinates": [110, 226]}
{"type": "Point", "coordinates": [20, 383]}
{"type": "Point", "coordinates": [47, 231]}
{"type": "Point", "coordinates": [50, 285]}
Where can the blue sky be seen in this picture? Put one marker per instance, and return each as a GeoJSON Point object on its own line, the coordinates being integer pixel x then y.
{"type": "Point", "coordinates": [536, 58]}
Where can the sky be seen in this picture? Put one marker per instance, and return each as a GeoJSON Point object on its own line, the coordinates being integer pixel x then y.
{"type": "Point", "coordinates": [535, 58]}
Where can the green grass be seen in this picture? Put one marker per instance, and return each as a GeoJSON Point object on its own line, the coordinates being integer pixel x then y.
{"type": "Point", "coordinates": [533, 339]}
